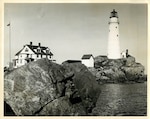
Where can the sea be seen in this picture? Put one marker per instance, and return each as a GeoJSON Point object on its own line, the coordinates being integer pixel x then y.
{"type": "Point", "coordinates": [122, 100]}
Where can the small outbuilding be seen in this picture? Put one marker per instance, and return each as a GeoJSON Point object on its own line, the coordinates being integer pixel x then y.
{"type": "Point", "coordinates": [88, 60]}
{"type": "Point", "coordinates": [125, 54]}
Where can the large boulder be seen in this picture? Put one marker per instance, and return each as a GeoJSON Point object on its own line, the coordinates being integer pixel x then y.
{"type": "Point", "coordinates": [86, 84]}
{"type": "Point", "coordinates": [46, 88]}
{"type": "Point", "coordinates": [100, 61]}
{"type": "Point", "coordinates": [114, 74]}
{"type": "Point", "coordinates": [134, 72]}
{"type": "Point", "coordinates": [32, 86]}
{"type": "Point", "coordinates": [130, 60]}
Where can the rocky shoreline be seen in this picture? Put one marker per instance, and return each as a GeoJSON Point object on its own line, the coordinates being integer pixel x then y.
{"type": "Point", "coordinates": [124, 70]}
{"type": "Point", "coordinates": [70, 89]}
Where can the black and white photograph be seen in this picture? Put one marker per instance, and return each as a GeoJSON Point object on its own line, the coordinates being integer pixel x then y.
{"type": "Point", "coordinates": [75, 59]}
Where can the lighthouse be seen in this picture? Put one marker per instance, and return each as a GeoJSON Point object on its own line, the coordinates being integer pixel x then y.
{"type": "Point", "coordinates": [113, 37]}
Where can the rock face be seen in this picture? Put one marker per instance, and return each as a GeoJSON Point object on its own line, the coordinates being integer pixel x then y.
{"type": "Point", "coordinates": [118, 70]}
{"type": "Point", "coordinates": [46, 88]}
{"type": "Point", "coordinates": [85, 83]}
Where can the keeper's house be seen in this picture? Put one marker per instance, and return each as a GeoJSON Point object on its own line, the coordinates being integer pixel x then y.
{"type": "Point", "coordinates": [88, 60]}
{"type": "Point", "coordinates": [31, 53]}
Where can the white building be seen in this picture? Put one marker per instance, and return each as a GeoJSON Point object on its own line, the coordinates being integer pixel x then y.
{"type": "Point", "coordinates": [113, 37]}
{"type": "Point", "coordinates": [31, 53]}
{"type": "Point", "coordinates": [88, 60]}
{"type": "Point", "coordinates": [124, 54]}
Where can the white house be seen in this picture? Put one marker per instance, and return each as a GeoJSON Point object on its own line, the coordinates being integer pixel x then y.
{"type": "Point", "coordinates": [31, 53]}
{"type": "Point", "coordinates": [88, 60]}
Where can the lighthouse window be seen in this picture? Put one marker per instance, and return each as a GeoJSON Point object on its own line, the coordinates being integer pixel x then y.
{"type": "Point", "coordinates": [117, 35]}
{"type": "Point", "coordinates": [116, 26]}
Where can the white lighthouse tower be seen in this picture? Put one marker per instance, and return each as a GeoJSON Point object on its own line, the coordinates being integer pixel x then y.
{"type": "Point", "coordinates": [113, 38]}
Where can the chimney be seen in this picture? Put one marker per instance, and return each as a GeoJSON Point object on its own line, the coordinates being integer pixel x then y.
{"type": "Point", "coordinates": [39, 44]}
{"type": "Point", "coordinates": [31, 43]}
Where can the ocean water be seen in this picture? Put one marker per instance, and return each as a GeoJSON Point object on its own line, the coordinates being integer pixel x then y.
{"type": "Point", "coordinates": [122, 100]}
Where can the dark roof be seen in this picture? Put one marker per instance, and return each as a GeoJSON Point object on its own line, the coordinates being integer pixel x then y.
{"type": "Point", "coordinates": [73, 61]}
{"type": "Point", "coordinates": [19, 52]}
{"type": "Point", "coordinates": [33, 47]}
{"type": "Point", "coordinates": [87, 56]}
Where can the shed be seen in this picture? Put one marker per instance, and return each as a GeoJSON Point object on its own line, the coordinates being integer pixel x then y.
{"type": "Point", "coordinates": [88, 60]}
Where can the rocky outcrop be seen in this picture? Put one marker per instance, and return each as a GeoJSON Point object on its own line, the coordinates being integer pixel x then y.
{"type": "Point", "coordinates": [117, 70]}
{"type": "Point", "coordinates": [46, 88]}
{"type": "Point", "coordinates": [85, 83]}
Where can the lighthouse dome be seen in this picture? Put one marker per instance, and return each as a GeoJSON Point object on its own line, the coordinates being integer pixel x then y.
{"type": "Point", "coordinates": [113, 14]}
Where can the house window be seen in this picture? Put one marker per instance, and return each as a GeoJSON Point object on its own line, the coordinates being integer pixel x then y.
{"type": "Point", "coordinates": [27, 55]}
{"type": "Point", "coordinates": [20, 60]}
{"type": "Point", "coordinates": [37, 55]}
{"type": "Point", "coordinates": [14, 63]}
{"type": "Point", "coordinates": [26, 50]}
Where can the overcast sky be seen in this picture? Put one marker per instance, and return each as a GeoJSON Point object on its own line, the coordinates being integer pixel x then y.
{"type": "Point", "coordinates": [71, 30]}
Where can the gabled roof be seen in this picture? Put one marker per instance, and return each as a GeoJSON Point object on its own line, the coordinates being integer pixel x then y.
{"type": "Point", "coordinates": [33, 47]}
{"type": "Point", "coordinates": [87, 56]}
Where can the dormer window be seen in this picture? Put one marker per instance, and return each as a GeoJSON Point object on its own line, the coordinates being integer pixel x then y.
{"type": "Point", "coordinates": [38, 50]}
{"type": "Point", "coordinates": [47, 51]}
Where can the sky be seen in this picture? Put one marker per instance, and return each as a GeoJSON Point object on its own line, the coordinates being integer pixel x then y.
{"type": "Point", "coordinates": [71, 30]}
